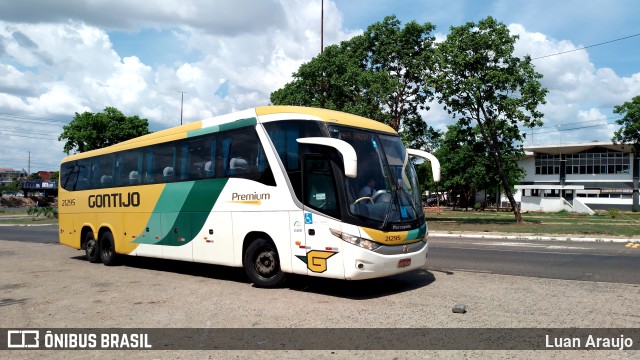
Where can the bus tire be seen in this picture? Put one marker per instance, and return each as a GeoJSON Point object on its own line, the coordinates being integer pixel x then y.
{"type": "Point", "coordinates": [107, 249]}
{"type": "Point", "coordinates": [91, 248]}
{"type": "Point", "coordinates": [262, 264]}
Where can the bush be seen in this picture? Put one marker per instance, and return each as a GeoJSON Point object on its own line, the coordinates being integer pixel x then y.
{"type": "Point", "coordinates": [46, 211]}
{"type": "Point", "coordinates": [613, 213]}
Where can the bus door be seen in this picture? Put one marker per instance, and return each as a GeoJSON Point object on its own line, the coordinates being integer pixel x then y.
{"type": "Point", "coordinates": [323, 249]}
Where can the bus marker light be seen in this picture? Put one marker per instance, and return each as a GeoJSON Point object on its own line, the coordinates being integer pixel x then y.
{"type": "Point", "coordinates": [298, 242]}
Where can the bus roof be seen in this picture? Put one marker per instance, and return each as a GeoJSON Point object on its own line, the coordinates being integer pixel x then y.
{"type": "Point", "coordinates": [238, 119]}
{"type": "Point", "coordinates": [332, 116]}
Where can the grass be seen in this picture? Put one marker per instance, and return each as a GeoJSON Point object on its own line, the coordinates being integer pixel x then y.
{"type": "Point", "coordinates": [553, 224]}
{"type": "Point", "coordinates": [20, 217]}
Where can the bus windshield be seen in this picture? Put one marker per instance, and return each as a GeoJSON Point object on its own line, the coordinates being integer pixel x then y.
{"type": "Point", "coordinates": [386, 187]}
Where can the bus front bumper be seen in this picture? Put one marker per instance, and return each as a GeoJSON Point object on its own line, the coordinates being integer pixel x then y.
{"type": "Point", "coordinates": [361, 264]}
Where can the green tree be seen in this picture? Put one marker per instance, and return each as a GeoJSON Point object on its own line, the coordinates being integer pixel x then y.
{"type": "Point", "coordinates": [479, 80]}
{"type": "Point", "coordinates": [11, 187]}
{"type": "Point", "coordinates": [377, 75]}
{"type": "Point", "coordinates": [629, 132]}
{"type": "Point", "coordinates": [89, 131]}
{"type": "Point", "coordinates": [467, 166]}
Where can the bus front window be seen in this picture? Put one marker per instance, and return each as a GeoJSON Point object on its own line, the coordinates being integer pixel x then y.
{"type": "Point", "coordinates": [386, 187]}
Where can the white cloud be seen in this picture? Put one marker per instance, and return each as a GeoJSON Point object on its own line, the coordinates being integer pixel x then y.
{"type": "Point", "coordinates": [578, 91]}
{"type": "Point", "coordinates": [57, 58]}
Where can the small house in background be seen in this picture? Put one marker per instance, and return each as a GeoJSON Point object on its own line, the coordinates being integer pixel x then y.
{"type": "Point", "coordinates": [45, 175]}
{"type": "Point", "coordinates": [9, 175]}
{"type": "Point", "coordinates": [579, 178]}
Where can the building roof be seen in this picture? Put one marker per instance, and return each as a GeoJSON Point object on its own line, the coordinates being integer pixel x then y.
{"type": "Point", "coordinates": [574, 148]}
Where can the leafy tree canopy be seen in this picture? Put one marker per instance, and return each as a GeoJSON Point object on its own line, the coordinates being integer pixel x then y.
{"type": "Point", "coordinates": [481, 82]}
{"type": "Point", "coordinates": [89, 131]}
{"type": "Point", "coordinates": [629, 133]}
{"type": "Point", "coordinates": [378, 75]}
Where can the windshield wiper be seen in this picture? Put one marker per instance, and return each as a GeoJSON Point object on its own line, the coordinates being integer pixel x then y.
{"type": "Point", "coordinates": [406, 194]}
{"type": "Point", "coordinates": [388, 212]}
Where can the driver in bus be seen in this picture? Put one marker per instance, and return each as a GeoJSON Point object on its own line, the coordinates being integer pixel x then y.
{"type": "Point", "coordinates": [369, 189]}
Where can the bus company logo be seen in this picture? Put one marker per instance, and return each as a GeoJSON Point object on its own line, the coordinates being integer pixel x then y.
{"type": "Point", "coordinates": [23, 339]}
{"type": "Point", "coordinates": [114, 200]}
{"type": "Point", "coordinates": [316, 260]}
{"type": "Point", "coordinates": [249, 199]}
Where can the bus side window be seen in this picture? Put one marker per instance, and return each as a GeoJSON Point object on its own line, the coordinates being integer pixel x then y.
{"type": "Point", "coordinates": [129, 167]}
{"type": "Point", "coordinates": [84, 175]}
{"type": "Point", "coordinates": [243, 156]}
{"type": "Point", "coordinates": [102, 171]}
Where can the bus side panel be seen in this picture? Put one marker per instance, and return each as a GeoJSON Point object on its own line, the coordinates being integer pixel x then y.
{"type": "Point", "coordinates": [274, 224]}
{"type": "Point", "coordinates": [325, 257]}
{"type": "Point", "coordinates": [213, 242]}
{"type": "Point", "coordinates": [298, 242]}
{"type": "Point", "coordinates": [68, 230]}
{"type": "Point", "coordinates": [177, 234]}
{"type": "Point", "coordinates": [149, 235]}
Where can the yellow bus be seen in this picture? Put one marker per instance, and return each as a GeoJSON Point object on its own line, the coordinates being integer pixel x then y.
{"type": "Point", "coordinates": [274, 189]}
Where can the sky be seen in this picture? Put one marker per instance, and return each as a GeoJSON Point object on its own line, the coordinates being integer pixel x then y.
{"type": "Point", "coordinates": [58, 58]}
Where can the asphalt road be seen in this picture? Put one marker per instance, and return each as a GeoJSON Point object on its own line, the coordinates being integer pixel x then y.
{"type": "Point", "coordinates": [568, 260]}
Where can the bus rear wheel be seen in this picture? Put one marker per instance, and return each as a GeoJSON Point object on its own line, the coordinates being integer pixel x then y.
{"type": "Point", "coordinates": [107, 249]}
{"type": "Point", "coordinates": [91, 248]}
{"type": "Point", "coordinates": [262, 264]}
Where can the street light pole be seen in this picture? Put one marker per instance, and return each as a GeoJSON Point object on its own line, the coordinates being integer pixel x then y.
{"type": "Point", "coordinates": [181, 103]}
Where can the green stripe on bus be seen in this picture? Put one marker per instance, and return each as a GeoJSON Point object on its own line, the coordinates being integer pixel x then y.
{"type": "Point", "coordinates": [228, 126]}
{"type": "Point", "coordinates": [416, 233]}
{"type": "Point", "coordinates": [182, 210]}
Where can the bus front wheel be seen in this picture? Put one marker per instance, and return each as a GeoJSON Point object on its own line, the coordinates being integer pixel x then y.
{"type": "Point", "coordinates": [107, 249]}
{"type": "Point", "coordinates": [91, 249]}
{"type": "Point", "coordinates": [262, 264]}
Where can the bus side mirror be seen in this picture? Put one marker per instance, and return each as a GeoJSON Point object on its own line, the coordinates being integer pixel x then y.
{"type": "Point", "coordinates": [435, 163]}
{"type": "Point", "coordinates": [347, 151]}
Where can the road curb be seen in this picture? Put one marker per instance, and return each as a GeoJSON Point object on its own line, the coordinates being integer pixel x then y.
{"type": "Point", "coordinates": [531, 237]}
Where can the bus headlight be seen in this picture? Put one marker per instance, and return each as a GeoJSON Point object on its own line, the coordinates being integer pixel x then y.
{"type": "Point", "coordinates": [355, 240]}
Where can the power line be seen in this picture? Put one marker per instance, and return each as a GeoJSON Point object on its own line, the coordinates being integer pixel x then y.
{"type": "Point", "coordinates": [610, 120]}
{"type": "Point", "coordinates": [586, 47]}
{"type": "Point", "coordinates": [25, 131]}
{"type": "Point", "coordinates": [576, 128]}
{"type": "Point", "coordinates": [25, 117]}
{"type": "Point", "coordinates": [27, 136]}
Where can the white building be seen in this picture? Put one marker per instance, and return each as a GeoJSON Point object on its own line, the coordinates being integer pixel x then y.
{"type": "Point", "coordinates": [579, 177]}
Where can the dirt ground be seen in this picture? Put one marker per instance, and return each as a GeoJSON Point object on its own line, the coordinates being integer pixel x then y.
{"type": "Point", "coordinates": [52, 286]}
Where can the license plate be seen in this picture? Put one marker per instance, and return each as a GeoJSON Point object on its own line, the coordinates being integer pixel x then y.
{"type": "Point", "coordinates": [404, 263]}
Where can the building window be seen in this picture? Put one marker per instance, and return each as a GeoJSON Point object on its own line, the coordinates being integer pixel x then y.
{"type": "Point", "coordinates": [547, 164]}
{"type": "Point", "coordinates": [597, 161]}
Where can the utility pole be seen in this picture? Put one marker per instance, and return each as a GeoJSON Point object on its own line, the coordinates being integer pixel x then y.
{"type": "Point", "coordinates": [29, 165]}
{"type": "Point", "coordinates": [322, 27]}
{"type": "Point", "coordinates": [181, 103]}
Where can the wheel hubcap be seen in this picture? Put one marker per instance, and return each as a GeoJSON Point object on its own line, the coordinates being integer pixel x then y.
{"type": "Point", "coordinates": [266, 263]}
{"type": "Point", "coordinates": [91, 247]}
